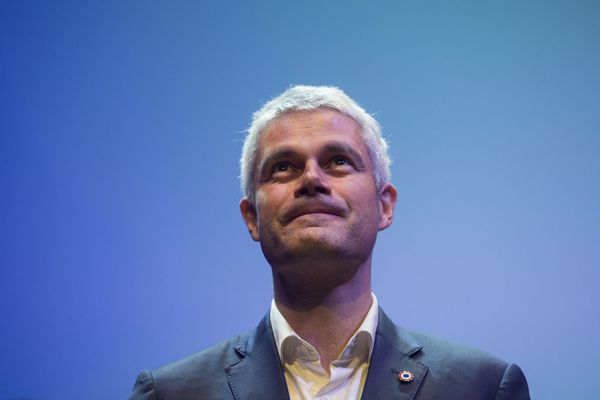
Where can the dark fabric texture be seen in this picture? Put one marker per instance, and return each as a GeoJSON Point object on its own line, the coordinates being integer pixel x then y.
{"type": "Point", "coordinates": [247, 367]}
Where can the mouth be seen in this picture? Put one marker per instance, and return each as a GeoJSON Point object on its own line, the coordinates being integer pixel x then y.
{"type": "Point", "coordinates": [315, 213]}
{"type": "Point", "coordinates": [309, 211]}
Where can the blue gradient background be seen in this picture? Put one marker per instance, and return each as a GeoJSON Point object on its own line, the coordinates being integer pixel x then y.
{"type": "Point", "coordinates": [121, 125]}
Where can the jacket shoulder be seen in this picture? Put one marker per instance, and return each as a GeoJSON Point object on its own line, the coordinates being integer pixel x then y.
{"type": "Point", "coordinates": [212, 359]}
{"type": "Point", "coordinates": [199, 374]}
{"type": "Point", "coordinates": [467, 372]}
{"type": "Point", "coordinates": [438, 351]}
{"type": "Point", "coordinates": [435, 352]}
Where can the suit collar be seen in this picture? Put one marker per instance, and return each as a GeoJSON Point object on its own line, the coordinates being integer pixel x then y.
{"type": "Point", "coordinates": [258, 374]}
{"type": "Point", "coordinates": [394, 348]}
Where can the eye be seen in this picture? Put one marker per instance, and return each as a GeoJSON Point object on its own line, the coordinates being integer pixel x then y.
{"type": "Point", "coordinates": [340, 161]}
{"type": "Point", "coordinates": [281, 167]}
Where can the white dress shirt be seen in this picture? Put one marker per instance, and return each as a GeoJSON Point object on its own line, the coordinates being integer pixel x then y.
{"type": "Point", "coordinates": [304, 375]}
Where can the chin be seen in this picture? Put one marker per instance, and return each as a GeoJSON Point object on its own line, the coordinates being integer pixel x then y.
{"type": "Point", "coordinates": [317, 239]}
{"type": "Point", "coordinates": [323, 249]}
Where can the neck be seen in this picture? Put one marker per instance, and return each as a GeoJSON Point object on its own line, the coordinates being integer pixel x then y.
{"type": "Point", "coordinates": [326, 316]}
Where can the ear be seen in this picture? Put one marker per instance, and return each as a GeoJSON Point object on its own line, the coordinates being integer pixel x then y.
{"type": "Point", "coordinates": [387, 199]}
{"type": "Point", "coordinates": [249, 215]}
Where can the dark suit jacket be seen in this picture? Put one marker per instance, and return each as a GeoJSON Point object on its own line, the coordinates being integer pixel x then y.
{"type": "Point", "coordinates": [247, 367]}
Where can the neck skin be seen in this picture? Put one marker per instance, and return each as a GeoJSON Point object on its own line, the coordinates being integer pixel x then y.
{"type": "Point", "coordinates": [325, 315]}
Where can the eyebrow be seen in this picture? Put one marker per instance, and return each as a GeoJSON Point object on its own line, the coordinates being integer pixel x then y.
{"type": "Point", "coordinates": [329, 148]}
{"type": "Point", "coordinates": [342, 148]}
{"type": "Point", "coordinates": [276, 155]}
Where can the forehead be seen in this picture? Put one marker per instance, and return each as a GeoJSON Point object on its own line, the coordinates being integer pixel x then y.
{"type": "Point", "coordinates": [307, 130]}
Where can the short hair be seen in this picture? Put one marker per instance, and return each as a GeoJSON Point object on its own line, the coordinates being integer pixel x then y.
{"type": "Point", "coordinates": [305, 98]}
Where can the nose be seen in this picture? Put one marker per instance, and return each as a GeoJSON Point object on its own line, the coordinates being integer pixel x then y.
{"type": "Point", "coordinates": [313, 181]}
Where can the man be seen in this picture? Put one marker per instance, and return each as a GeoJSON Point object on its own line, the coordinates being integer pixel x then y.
{"type": "Point", "coordinates": [316, 182]}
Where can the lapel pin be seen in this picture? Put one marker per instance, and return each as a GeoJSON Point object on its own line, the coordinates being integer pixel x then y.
{"type": "Point", "coordinates": [406, 376]}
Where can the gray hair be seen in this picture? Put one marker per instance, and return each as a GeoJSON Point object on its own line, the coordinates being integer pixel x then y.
{"type": "Point", "coordinates": [303, 98]}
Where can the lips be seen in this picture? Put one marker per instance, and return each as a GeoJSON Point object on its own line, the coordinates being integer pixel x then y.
{"type": "Point", "coordinates": [317, 208]}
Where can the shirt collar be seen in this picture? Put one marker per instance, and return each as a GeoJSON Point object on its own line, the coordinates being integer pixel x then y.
{"type": "Point", "coordinates": [283, 333]}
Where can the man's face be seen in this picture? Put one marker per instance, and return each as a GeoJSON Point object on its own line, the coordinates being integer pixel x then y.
{"type": "Point", "coordinates": [316, 198]}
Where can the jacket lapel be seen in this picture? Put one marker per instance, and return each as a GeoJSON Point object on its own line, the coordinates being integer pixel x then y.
{"type": "Point", "coordinates": [392, 353]}
{"type": "Point", "coordinates": [258, 374]}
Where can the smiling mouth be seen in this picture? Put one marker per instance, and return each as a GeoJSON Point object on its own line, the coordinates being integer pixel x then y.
{"type": "Point", "coordinates": [317, 211]}
{"type": "Point", "coordinates": [315, 214]}
{"type": "Point", "coordinates": [313, 219]}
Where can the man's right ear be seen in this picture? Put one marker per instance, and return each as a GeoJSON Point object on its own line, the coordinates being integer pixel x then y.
{"type": "Point", "coordinates": [249, 214]}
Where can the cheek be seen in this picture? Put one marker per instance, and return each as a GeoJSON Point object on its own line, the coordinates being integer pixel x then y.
{"type": "Point", "coordinates": [268, 202]}
{"type": "Point", "coordinates": [363, 194]}
{"type": "Point", "coordinates": [367, 205]}
{"type": "Point", "coordinates": [264, 196]}
{"type": "Point", "coordinates": [272, 193]}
